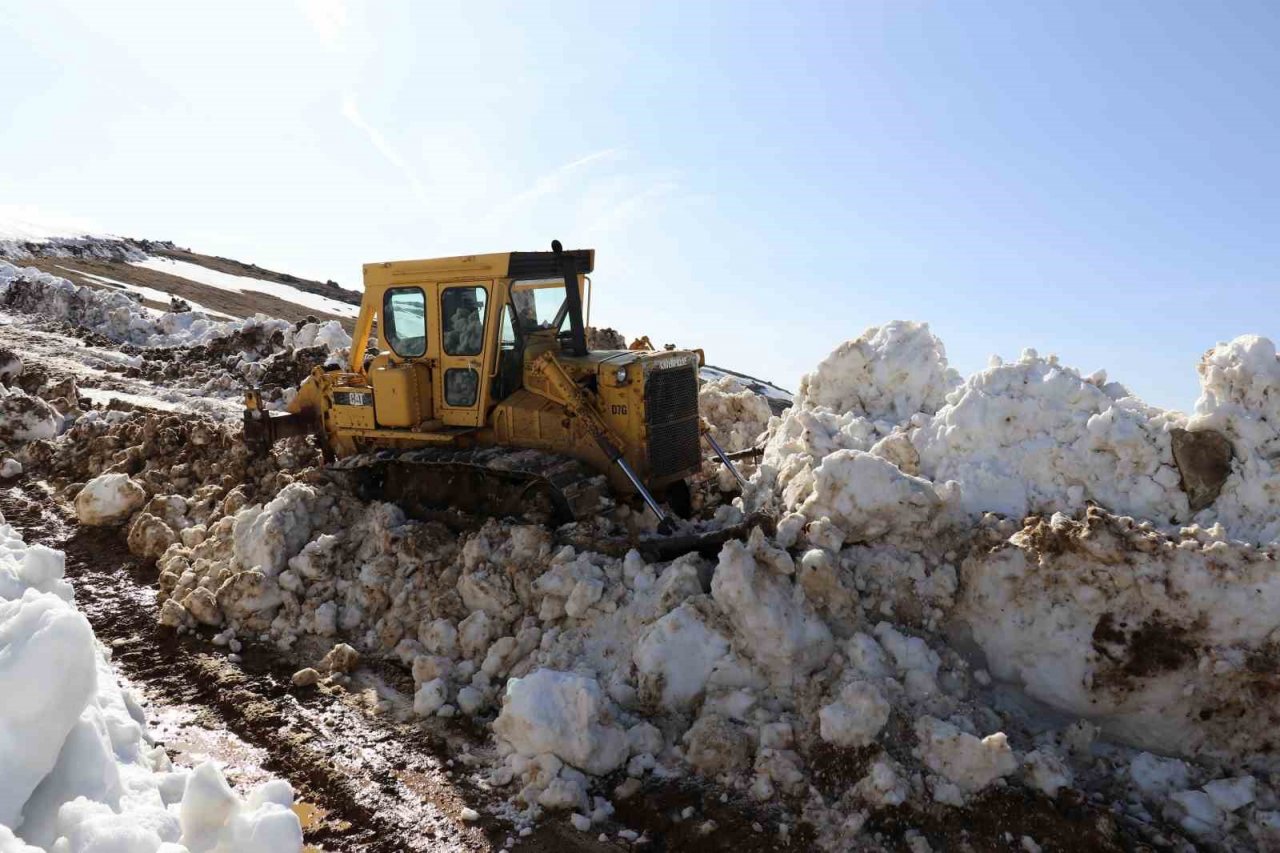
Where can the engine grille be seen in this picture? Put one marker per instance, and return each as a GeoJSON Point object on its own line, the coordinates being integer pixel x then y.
{"type": "Point", "coordinates": [671, 411]}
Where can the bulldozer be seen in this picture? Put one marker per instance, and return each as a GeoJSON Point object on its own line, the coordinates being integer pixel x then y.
{"type": "Point", "coordinates": [483, 398]}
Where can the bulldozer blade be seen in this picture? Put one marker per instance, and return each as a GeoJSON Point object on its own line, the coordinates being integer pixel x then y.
{"type": "Point", "coordinates": [658, 548]}
{"type": "Point", "coordinates": [263, 429]}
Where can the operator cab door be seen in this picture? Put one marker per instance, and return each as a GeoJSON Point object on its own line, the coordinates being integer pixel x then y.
{"type": "Point", "coordinates": [463, 320]}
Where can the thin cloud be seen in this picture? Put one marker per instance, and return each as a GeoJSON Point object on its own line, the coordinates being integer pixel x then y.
{"type": "Point", "coordinates": [553, 182]}
{"type": "Point", "coordinates": [630, 208]}
{"type": "Point", "coordinates": [351, 112]}
{"type": "Point", "coordinates": [327, 17]}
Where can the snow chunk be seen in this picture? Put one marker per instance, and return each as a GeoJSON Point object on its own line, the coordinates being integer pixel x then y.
{"type": "Point", "coordinates": [770, 614]}
{"type": "Point", "coordinates": [969, 762]}
{"type": "Point", "coordinates": [564, 714]}
{"type": "Point", "coordinates": [109, 499]}
{"type": "Point", "coordinates": [856, 717]}
{"type": "Point", "coordinates": [679, 653]}
{"type": "Point", "coordinates": [1155, 776]}
{"type": "Point", "coordinates": [868, 497]}
{"type": "Point", "coordinates": [26, 418]}
{"type": "Point", "coordinates": [1231, 795]}
{"type": "Point", "coordinates": [888, 373]}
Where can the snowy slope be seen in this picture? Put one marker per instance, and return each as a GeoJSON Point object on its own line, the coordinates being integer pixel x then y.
{"type": "Point", "coordinates": [248, 284]}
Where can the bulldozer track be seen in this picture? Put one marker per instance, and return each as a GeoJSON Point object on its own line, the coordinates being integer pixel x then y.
{"type": "Point", "coordinates": [491, 481]}
{"type": "Point", "coordinates": [458, 486]}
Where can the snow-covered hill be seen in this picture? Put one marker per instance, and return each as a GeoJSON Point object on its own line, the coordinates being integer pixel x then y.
{"type": "Point", "coordinates": [157, 272]}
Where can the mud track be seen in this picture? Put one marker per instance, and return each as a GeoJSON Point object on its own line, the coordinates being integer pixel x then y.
{"type": "Point", "coordinates": [381, 784]}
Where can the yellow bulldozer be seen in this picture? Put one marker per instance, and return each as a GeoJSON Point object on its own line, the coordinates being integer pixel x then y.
{"type": "Point", "coordinates": [483, 398]}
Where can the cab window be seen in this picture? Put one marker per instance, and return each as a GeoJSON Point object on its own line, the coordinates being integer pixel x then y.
{"type": "Point", "coordinates": [539, 304]}
{"type": "Point", "coordinates": [404, 316]}
{"type": "Point", "coordinates": [463, 310]}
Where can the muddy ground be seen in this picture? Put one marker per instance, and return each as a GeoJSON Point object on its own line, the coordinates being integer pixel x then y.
{"type": "Point", "coordinates": [371, 778]}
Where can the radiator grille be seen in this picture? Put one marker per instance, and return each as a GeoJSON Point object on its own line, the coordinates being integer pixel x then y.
{"type": "Point", "coordinates": [671, 410]}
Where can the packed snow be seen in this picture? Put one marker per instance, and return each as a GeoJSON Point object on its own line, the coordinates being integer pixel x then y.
{"type": "Point", "coordinates": [80, 772]}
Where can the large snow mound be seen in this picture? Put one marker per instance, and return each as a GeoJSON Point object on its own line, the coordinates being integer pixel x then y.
{"type": "Point", "coordinates": [1032, 436]}
{"type": "Point", "coordinates": [79, 771]}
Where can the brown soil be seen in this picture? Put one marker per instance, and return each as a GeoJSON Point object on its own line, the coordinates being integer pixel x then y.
{"type": "Point", "coordinates": [1153, 647]}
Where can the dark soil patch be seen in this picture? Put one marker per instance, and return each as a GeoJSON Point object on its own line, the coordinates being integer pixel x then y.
{"type": "Point", "coordinates": [998, 819]}
{"type": "Point", "coordinates": [1154, 647]}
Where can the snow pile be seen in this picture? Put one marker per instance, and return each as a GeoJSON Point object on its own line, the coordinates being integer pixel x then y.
{"type": "Point", "coordinates": [165, 478]}
{"type": "Point", "coordinates": [752, 669]}
{"type": "Point", "coordinates": [115, 315]}
{"type": "Point", "coordinates": [79, 771]}
{"type": "Point", "coordinates": [737, 415]}
{"type": "Point", "coordinates": [1033, 436]}
{"type": "Point", "coordinates": [734, 670]}
{"type": "Point", "coordinates": [858, 398]}
{"type": "Point", "coordinates": [887, 375]}
{"type": "Point", "coordinates": [863, 635]}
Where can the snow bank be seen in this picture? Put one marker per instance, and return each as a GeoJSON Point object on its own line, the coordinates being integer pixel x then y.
{"type": "Point", "coordinates": [79, 772]}
{"type": "Point", "coordinates": [1165, 642]}
{"type": "Point", "coordinates": [243, 283]}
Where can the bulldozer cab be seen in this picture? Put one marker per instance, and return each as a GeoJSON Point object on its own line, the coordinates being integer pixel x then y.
{"type": "Point", "coordinates": [454, 334]}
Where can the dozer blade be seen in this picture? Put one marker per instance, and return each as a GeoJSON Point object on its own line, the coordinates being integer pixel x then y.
{"type": "Point", "coordinates": [658, 548]}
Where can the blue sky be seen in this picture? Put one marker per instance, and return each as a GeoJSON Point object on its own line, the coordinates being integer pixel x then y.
{"type": "Point", "coordinates": [1094, 179]}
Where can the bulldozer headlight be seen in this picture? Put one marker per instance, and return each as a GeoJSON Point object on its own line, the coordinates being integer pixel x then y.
{"type": "Point", "coordinates": [621, 376]}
